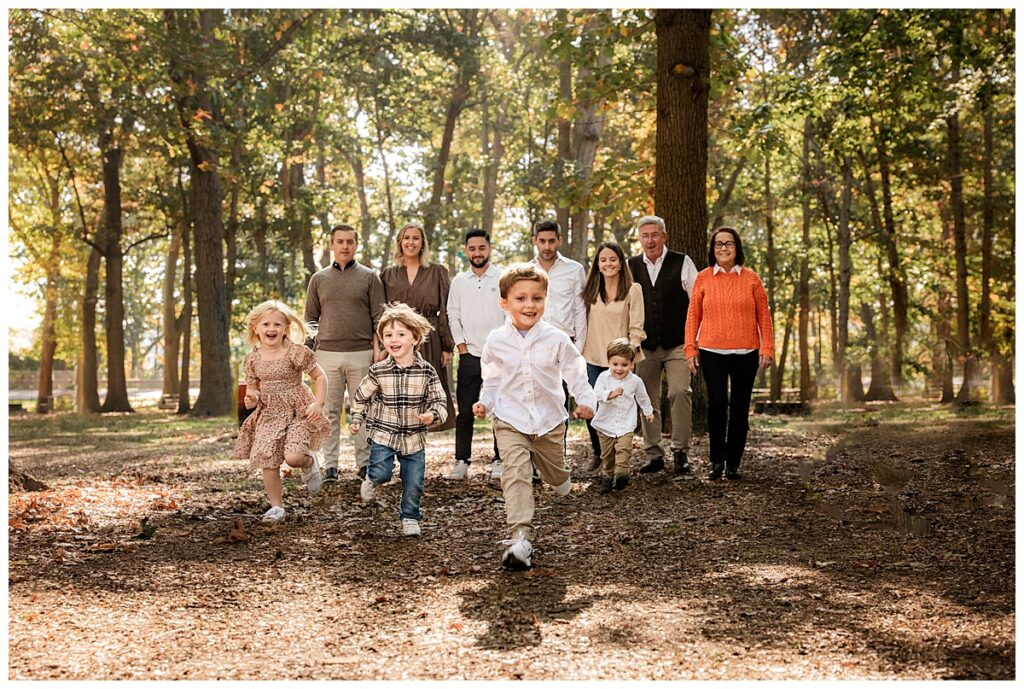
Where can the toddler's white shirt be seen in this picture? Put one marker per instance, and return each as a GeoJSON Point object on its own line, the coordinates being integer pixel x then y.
{"type": "Point", "coordinates": [617, 417]}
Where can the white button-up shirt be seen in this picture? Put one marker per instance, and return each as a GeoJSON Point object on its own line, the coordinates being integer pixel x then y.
{"type": "Point", "coordinates": [565, 309]}
{"type": "Point", "coordinates": [688, 273]}
{"type": "Point", "coordinates": [522, 377]}
{"type": "Point", "coordinates": [473, 308]}
{"type": "Point", "coordinates": [615, 418]}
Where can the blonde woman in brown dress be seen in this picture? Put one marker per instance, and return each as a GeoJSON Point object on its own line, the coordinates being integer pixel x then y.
{"type": "Point", "coordinates": [288, 426]}
{"type": "Point", "coordinates": [423, 285]}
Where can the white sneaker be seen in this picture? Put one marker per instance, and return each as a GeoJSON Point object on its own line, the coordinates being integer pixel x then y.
{"type": "Point", "coordinates": [367, 490]}
{"type": "Point", "coordinates": [410, 527]}
{"type": "Point", "coordinates": [311, 476]}
{"type": "Point", "coordinates": [517, 556]}
{"type": "Point", "coordinates": [496, 469]}
{"type": "Point", "coordinates": [563, 489]}
{"type": "Point", "coordinates": [459, 471]}
{"type": "Point", "coordinates": [274, 515]}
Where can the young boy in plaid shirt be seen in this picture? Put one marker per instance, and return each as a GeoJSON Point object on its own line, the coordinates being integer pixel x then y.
{"type": "Point", "coordinates": [398, 399]}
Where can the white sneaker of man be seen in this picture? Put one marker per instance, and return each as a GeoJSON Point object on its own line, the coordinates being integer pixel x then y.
{"type": "Point", "coordinates": [564, 488]}
{"type": "Point", "coordinates": [311, 475]}
{"type": "Point", "coordinates": [410, 527]}
{"type": "Point", "coordinates": [496, 469]}
{"type": "Point", "coordinates": [367, 490]}
{"type": "Point", "coordinates": [274, 515]}
{"type": "Point", "coordinates": [460, 471]}
{"type": "Point", "coordinates": [518, 555]}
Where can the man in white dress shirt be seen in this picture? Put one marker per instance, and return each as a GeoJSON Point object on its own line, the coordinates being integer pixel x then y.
{"type": "Point", "coordinates": [474, 311]}
{"type": "Point", "coordinates": [565, 309]}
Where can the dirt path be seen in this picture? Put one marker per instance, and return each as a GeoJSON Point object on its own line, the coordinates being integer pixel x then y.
{"type": "Point", "coordinates": [805, 569]}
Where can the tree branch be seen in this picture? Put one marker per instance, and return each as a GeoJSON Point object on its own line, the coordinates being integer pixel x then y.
{"type": "Point", "coordinates": [155, 235]}
{"type": "Point", "coordinates": [286, 37]}
{"type": "Point", "coordinates": [78, 199]}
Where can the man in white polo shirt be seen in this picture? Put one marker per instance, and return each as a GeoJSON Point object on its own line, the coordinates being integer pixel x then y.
{"type": "Point", "coordinates": [474, 311]}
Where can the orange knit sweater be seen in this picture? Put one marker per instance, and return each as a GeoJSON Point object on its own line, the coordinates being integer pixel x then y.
{"type": "Point", "coordinates": [730, 312]}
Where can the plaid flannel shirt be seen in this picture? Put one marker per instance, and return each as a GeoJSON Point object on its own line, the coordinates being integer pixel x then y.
{"type": "Point", "coordinates": [390, 398]}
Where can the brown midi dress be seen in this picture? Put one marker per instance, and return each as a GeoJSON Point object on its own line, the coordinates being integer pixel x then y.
{"type": "Point", "coordinates": [279, 425]}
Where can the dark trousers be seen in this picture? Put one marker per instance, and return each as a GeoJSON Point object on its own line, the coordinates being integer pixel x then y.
{"type": "Point", "coordinates": [593, 371]}
{"type": "Point", "coordinates": [728, 409]}
{"type": "Point", "coordinates": [467, 393]}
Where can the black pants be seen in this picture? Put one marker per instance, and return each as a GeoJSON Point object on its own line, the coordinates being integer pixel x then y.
{"type": "Point", "coordinates": [719, 371]}
{"type": "Point", "coordinates": [467, 393]}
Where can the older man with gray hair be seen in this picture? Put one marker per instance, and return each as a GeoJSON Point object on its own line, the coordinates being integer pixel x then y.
{"type": "Point", "coordinates": [666, 278]}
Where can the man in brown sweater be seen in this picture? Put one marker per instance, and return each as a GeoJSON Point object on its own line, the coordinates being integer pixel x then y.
{"type": "Point", "coordinates": [345, 301]}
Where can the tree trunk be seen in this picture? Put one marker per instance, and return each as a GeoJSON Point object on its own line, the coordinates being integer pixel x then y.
{"type": "Point", "coordinates": [681, 143]}
{"type": "Point", "coordinates": [185, 320]}
{"type": "Point", "coordinates": [88, 399]}
{"type": "Point", "coordinates": [467, 69]}
{"type": "Point", "coordinates": [355, 161]}
{"type": "Point", "coordinates": [495, 154]}
{"type": "Point", "coordinates": [807, 391]}
{"type": "Point", "coordinates": [845, 272]}
{"type": "Point", "coordinates": [779, 370]}
{"type": "Point", "coordinates": [897, 280]}
{"type": "Point", "coordinates": [942, 359]}
{"type": "Point", "coordinates": [959, 230]}
{"type": "Point", "coordinates": [718, 213]}
{"type": "Point", "coordinates": [216, 393]}
{"type": "Point", "coordinates": [117, 384]}
{"type": "Point", "coordinates": [48, 336]}
{"type": "Point", "coordinates": [172, 335]}
{"type": "Point", "coordinates": [881, 382]}
{"type": "Point", "coordinates": [392, 224]}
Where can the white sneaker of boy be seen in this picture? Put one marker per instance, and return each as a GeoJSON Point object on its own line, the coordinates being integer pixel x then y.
{"type": "Point", "coordinates": [518, 555]}
{"type": "Point", "coordinates": [367, 490]}
{"type": "Point", "coordinates": [459, 471]}
{"type": "Point", "coordinates": [564, 488]}
{"type": "Point", "coordinates": [311, 475]}
{"type": "Point", "coordinates": [274, 515]}
{"type": "Point", "coordinates": [496, 469]}
{"type": "Point", "coordinates": [410, 527]}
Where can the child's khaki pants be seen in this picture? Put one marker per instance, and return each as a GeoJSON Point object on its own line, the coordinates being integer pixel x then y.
{"type": "Point", "coordinates": [520, 452]}
{"type": "Point", "coordinates": [615, 453]}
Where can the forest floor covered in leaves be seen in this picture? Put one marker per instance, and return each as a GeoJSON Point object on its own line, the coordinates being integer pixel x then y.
{"type": "Point", "coordinates": [868, 543]}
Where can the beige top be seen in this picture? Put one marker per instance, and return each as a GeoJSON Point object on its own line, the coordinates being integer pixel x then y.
{"type": "Point", "coordinates": [615, 319]}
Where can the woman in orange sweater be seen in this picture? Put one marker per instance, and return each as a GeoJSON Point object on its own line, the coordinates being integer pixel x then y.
{"type": "Point", "coordinates": [728, 336]}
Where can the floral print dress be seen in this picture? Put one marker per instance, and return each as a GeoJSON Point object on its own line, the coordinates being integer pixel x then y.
{"type": "Point", "coordinates": [279, 424]}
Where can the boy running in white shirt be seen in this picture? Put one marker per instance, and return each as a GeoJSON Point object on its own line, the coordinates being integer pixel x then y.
{"type": "Point", "coordinates": [523, 364]}
{"type": "Point", "coordinates": [619, 392]}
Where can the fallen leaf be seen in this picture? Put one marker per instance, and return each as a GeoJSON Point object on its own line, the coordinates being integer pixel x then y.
{"type": "Point", "coordinates": [238, 533]}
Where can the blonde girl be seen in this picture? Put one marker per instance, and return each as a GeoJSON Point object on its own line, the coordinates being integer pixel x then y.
{"type": "Point", "coordinates": [288, 426]}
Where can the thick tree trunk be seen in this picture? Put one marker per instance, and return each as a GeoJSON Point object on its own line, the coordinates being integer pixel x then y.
{"type": "Point", "coordinates": [681, 143]}
{"type": "Point", "coordinates": [88, 399]}
{"type": "Point", "coordinates": [216, 391]}
{"type": "Point", "coordinates": [495, 152]}
{"type": "Point", "coordinates": [959, 233]}
{"type": "Point", "coordinates": [562, 175]}
{"type": "Point", "coordinates": [172, 335]}
{"type": "Point", "coordinates": [942, 360]}
{"type": "Point", "coordinates": [355, 161]}
{"type": "Point", "coordinates": [807, 391]}
{"type": "Point", "coordinates": [881, 381]}
{"type": "Point", "coordinates": [117, 384]}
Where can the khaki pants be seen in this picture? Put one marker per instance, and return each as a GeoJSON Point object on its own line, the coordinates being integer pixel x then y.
{"type": "Point", "coordinates": [673, 362]}
{"type": "Point", "coordinates": [520, 452]}
{"type": "Point", "coordinates": [615, 453]}
{"type": "Point", "coordinates": [345, 370]}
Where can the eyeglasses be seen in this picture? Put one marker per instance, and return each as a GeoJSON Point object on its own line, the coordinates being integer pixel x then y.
{"type": "Point", "coordinates": [724, 245]}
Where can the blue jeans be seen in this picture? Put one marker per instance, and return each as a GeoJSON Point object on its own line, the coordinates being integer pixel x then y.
{"type": "Point", "coordinates": [413, 466]}
{"type": "Point", "coordinates": [593, 371]}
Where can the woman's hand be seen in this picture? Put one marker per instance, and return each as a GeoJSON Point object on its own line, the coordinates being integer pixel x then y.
{"type": "Point", "coordinates": [694, 364]}
{"type": "Point", "coordinates": [446, 358]}
{"type": "Point", "coordinates": [314, 410]}
{"type": "Point", "coordinates": [765, 361]}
